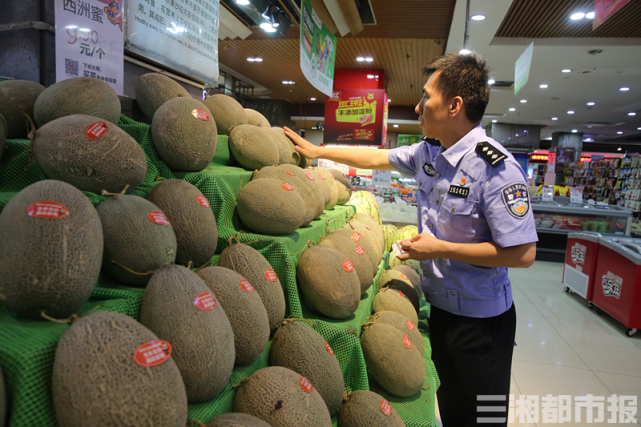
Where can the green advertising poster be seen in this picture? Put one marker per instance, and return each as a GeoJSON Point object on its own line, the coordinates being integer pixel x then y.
{"type": "Point", "coordinates": [522, 69]}
{"type": "Point", "coordinates": [408, 139]}
{"type": "Point", "coordinates": [317, 50]}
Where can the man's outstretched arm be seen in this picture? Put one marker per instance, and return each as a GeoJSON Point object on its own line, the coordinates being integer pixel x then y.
{"type": "Point", "coordinates": [362, 158]}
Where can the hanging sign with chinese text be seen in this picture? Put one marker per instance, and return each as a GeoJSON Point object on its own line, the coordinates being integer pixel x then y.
{"type": "Point", "coordinates": [356, 116]}
{"type": "Point", "coordinates": [90, 41]}
{"type": "Point", "coordinates": [181, 34]}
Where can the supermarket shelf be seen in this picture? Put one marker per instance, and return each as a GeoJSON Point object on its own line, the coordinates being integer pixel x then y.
{"type": "Point", "coordinates": [560, 231]}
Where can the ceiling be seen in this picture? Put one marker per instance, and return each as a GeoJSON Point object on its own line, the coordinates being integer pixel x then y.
{"type": "Point", "coordinates": [594, 78]}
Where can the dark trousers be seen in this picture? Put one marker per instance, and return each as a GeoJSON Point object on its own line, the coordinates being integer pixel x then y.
{"type": "Point", "coordinates": [473, 359]}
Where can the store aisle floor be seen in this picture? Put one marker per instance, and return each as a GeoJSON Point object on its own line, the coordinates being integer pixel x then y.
{"type": "Point", "coordinates": [564, 348]}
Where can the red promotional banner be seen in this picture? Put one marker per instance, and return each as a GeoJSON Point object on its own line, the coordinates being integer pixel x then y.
{"type": "Point", "coordinates": [604, 9]}
{"type": "Point", "coordinates": [356, 116]}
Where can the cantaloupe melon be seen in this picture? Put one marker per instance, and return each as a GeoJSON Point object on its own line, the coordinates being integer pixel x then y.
{"type": "Point", "coordinates": [251, 265]}
{"type": "Point", "coordinates": [89, 153]}
{"type": "Point", "coordinates": [253, 147]}
{"type": "Point", "coordinates": [17, 98]}
{"type": "Point", "coordinates": [97, 379]}
{"type": "Point", "coordinates": [392, 359]}
{"type": "Point", "coordinates": [257, 119]}
{"type": "Point", "coordinates": [227, 112]}
{"type": "Point", "coordinates": [401, 323]}
{"type": "Point", "coordinates": [310, 181]}
{"type": "Point", "coordinates": [184, 134]}
{"type": "Point", "coordinates": [396, 280]}
{"type": "Point", "coordinates": [367, 220]}
{"type": "Point", "coordinates": [326, 176]}
{"type": "Point", "coordinates": [154, 89]}
{"type": "Point", "coordinates": [329, 282]}
{"type": "Point", "coordinates": [311, 205]}
{"type": "Point", "coordinates": [244, 309]}
{"type": "Point", "coordinates": [286, 152]}
{"type": "Point", "coordinates": [344, 186]}
{"type": "Point", "coordinates": [322, 184]}
{"type": "Point", "coordinates": [368, 235]}
{"type": "Point", "coordinates": [297, 346]}
{"type": "Point", "coordinates": [237, 419]}
{"type": "Point", "coordinates": [413, 276]}
{"type": "Point", "coordinates": [364, 408]}
{"type": "Point", "coordinates": [389, 299]}
{"type": "Point", "coordinates": [282, 398]}
{"type": "Point", "coordinates": [51, 250]}
{"type": "Point", "coordinates": [137, 239]}
{"type": "Point", "coordinates": [191, 217]}
{"type": "Point", "coordinates": [356, 254]}
{"type": "Point", "coordinates": [304, 161]}
{"type": "Point", "coordinates": [369, 231]}
{"type": "Point", "coordinates": [365, 242]}
{"type": "Point", "coordinates": [79, 95]}
{"type": "Point", "coordinates": [178, 307]}
{"type": "Point", "coordinates": [270, 206]}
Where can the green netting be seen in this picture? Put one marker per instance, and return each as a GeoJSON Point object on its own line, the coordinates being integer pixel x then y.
{"type": "Point", "coordinates": [27, 349]}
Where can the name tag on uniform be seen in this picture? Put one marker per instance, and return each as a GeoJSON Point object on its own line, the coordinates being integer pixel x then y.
{"type": "Point", "coordinates": [429, 169]}
{"type": "Point", "coordinates": [457, 191]}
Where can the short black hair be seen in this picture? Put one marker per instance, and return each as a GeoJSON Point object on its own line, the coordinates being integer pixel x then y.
{"type": "Point", "coordinates": [465, 76]}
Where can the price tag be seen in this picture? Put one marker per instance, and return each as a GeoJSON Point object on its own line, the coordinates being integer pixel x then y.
{"type": "Point", "coordinates": [548, 194]}
{"type": "Point", "coordinates": [576, 196]}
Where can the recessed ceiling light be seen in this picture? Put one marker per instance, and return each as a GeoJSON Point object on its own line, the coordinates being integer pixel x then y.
{"type": "Point", "coordinates": [494, 121]}
{"type": "Point", "coordinates": [314, 127]}
{"type": "Point", "coordinates": [570, 112]}
{"type": "Point", "coordinates": [543, 86]}
{"type": "Point", "coordinates": [370, 76]}
{"type": "Point", "coordinates": [566, 70]}
{"type": "Point", "coordinates": [477, 17]}
{"type": "Point", "coordinates": [512, 109]}
{"type": "Point", "coordinates": [624, 89]}
{"type": "Point", "coordinates": [523, 101]}
{"type": "Point", "coordinates": [265, 25]}
{"type": "Point", "coordinates": [258, 59]}
{"type": "Point", "coordinates": [632, 114]}
{"type": "Point", "coordinates": [395, 126]}
{"type": "Point", "coordinates": [574, 131]}
{"type": "Point", "coordinates": [312, 99]}
{"type": "Point", "coordinates": [242, 2]}
{"type": "Point", "coordinates": [369, 59]}
{"type": "Point", "coordinates": [591, 103]}
{"type": "Point", "coordinates": [589, 15]}
{"type": "Point", "coordinates": [576, 16]}
{"type": "Point", "coordinates": [619, 133]}
{"type": "Point", "coordinates": [464, 52]}
{"type": "Point", "coordinates": [619, 149]}
{"type": "Point", "coordinates": [389, 100]}
{"type": "Point", "coordinates": [639, 128]}
{"type": "Point", "coordinates": [288, 82]}
{"type": "Point", "coordinates": [360, 59]}
{"type": "Point", "coordinates": [250, 59]}
{"type": "Point", "coordinates": [491, 81]}
{"type": "Point", "coordinates": [555, 118]}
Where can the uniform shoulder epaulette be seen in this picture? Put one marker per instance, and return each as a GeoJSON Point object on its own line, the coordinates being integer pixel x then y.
{"type": "Point", "coordinates": [490, 153]}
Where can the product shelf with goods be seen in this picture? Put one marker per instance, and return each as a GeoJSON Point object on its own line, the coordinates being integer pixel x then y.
{"type": "Point", "coordinates": [28, 346]}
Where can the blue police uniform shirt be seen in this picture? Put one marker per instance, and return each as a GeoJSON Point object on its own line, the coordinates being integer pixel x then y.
{"type": "Point", "coordinates": [463, 198]}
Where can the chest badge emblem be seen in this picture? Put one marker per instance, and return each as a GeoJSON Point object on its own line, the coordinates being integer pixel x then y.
{"type": "Point", "coordinates": [463, 181]}
{"type": "Point", "coordinates": [429, 169]}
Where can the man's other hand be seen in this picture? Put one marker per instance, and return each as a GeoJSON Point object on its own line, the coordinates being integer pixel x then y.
{"type": "Point", "coordinates": [421, 248]}
{"type": "Point", "coordinates": [303, 146]}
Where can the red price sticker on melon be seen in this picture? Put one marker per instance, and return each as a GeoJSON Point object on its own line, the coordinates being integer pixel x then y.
{"type": "Point", "coordinates": [410, 325]}
{"type": "Point", "coordinates": [47, 210]}
{"type": "Point", "coordinates": [152, 353]}
{"type": "Point", "coordinates": [329, 349]}
{"type": "Point", "coordinates": [289, 173]}
{"type": "Point", "coordinates": [309, 176]}
{"type": "Point", "coordinates": [96, 130]}
{"type": "Point", "coordinates": [158, 218]}
{"type": "Point", "coordinates": [306, 385]}
{"type": "Point", "coordinates": [386, 407]}
{"type": "Point", "coordinates": [360, 250]}
{"type": "Point", "coordinates": [202, 201]}
{"type": "Point", "coordinates": [286, 186]}
{"type": "Point", "coordinates": [205, 301]}
{"type": "Point", "coordinates": [321, 177]}
{"type": "Point", "coordinates": [356, 236]}
{"type": "Point", "coordinates": [246, 286]}
{"type": "Point", "coordinates": [407, 342]}
{"type": "Point", "coordinates": [404, 276]}
{"type": "Point", "coordinates": [271, 275]}
{"type": "Point", "coordinates": [200, 114]}
{"type": "Point", "coordinates": [348, 266]}
{"type": "Point", "coordinates": [401, 294]}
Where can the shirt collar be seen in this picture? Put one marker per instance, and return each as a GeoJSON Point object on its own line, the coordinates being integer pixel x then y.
{"type": "Point", "coordinates": [455, 153]}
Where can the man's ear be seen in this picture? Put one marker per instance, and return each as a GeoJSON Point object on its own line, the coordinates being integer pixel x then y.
{"type": "Point", "coordinates": [456, 107]}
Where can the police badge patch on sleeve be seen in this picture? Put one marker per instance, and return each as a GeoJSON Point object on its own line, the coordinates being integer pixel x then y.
{"type": "Point", "coordinates": [516, 200]}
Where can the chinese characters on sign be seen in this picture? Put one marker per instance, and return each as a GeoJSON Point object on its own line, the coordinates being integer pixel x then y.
{"type": "Point", "coordinates": [89, 40]}
{"type": "Point", "coordinates": [356, 116]}
{"type": "Point", "coordinates": [183, 32]}
{"type": "Point", "coordinates": [578, 253]}
{"type": "Point", "coordinates": [611, 285]}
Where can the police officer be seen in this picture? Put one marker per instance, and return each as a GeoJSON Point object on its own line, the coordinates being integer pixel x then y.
{"type": "Point", "coordinates": [475, 221]}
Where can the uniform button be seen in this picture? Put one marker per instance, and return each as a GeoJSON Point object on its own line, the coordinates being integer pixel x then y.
{"type": "Point", "coordinates": [438, 175]}
{"type": "Point", "coordinates": [431, 226]}
{"type": "Point", "coordinates": [436, 203]}
{"type": "Point", "coordinates": [453, 208]}
{"type": "Point", "coordinates": [452, 292]}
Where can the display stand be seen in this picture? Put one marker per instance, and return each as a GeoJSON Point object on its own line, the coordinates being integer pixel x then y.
{"type": "Point", "coordinates": [28, 347]}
